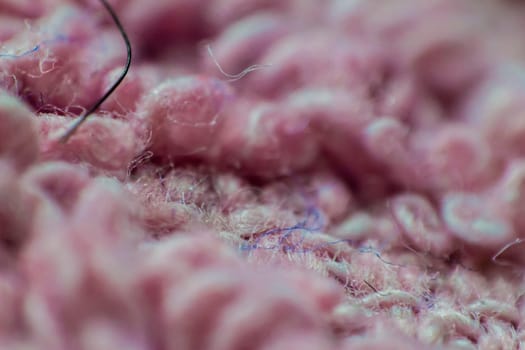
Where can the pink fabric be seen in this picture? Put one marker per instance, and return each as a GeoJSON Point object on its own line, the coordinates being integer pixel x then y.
{"type": "Point", "coordinates": [362, 188]}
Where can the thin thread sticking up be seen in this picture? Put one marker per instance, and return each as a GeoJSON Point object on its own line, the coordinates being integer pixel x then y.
{"type": "Point", "coordinates": [235, 77]}
{"type": "Point", "coordinates": [77, 123]}
{"type": "Point", "coordinates": [372, 250]}
{"type": "Point", "coordinates": [371, 286]}
{"type": "Point", "coordinates": [502, 250]}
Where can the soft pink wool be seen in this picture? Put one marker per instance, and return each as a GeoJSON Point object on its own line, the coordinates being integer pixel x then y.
{"type": "Point", "coordinates": [363, 188]}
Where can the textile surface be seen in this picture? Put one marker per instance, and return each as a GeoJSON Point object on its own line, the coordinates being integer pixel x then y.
{"type": "Point", "coordinates": [300, 174]}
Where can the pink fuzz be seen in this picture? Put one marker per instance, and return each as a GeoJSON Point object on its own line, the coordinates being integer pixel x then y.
{"type": "Point", "coordinates": [271, 174]}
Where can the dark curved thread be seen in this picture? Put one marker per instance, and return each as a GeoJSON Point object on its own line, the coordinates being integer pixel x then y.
{"type": "Point", "coordinates": [77, 123]}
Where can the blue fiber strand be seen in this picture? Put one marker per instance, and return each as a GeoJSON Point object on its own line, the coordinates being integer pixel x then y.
{"type": "Point", "coordinates": [312, 223]}
{"type": "Point", "coordinates": [58, 38]}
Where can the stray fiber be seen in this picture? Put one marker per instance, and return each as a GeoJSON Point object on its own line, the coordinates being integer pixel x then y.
{"type": "Point", "coordinates": [235, 77]}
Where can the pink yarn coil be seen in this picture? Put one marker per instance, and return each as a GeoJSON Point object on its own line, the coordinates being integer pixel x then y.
{"type": "Point", "coordinates": [360, 189]}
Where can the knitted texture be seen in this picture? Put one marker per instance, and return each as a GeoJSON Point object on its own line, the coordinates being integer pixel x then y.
{"type": "Point", "coordinates": [299, 174]}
